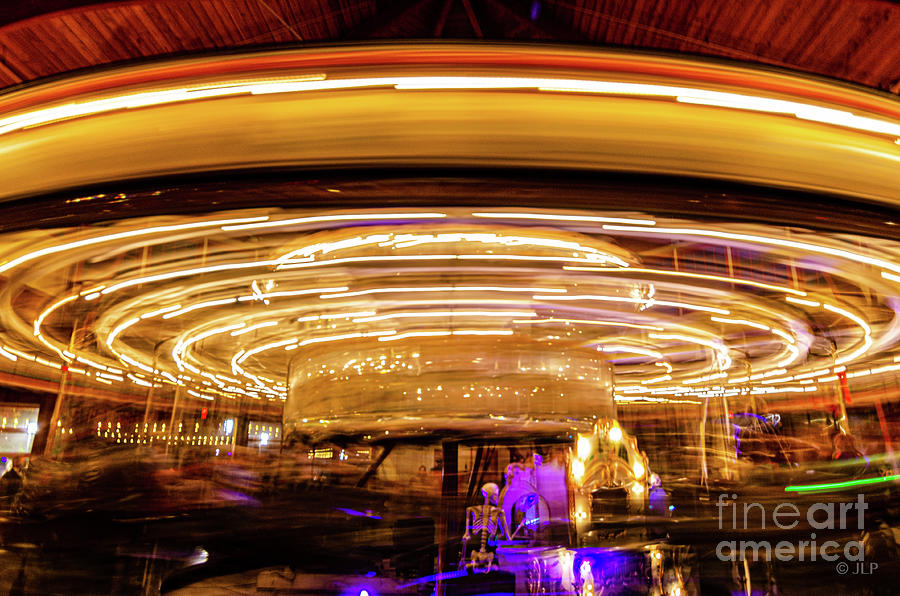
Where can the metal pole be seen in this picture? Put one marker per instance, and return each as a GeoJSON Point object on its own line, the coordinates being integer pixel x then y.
{"type": "Point", "coordinates": [844, 422]}
{"type": "Point", "coordinates": [152, 381]}
{"type": "Point", "coordinates": [53, 432]}
{"type": "Point", "coordinates": [886, 433]}
{"type": "Point", "coordinates": [704, 471]}
{"type": "Point", "coordinates": [172, 418]}
{"type": "Point", "coordinates": [448, 522]}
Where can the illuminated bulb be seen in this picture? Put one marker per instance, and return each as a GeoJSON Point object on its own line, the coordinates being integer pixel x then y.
{"type": "Point", "coordinates": [638, 470]}
{"type": "Point", "coordinates": [615, 434]}
{"type": "Point", "coordinates": [637, 488]}
{"type": "Point", "coordinates": [578, 469]}
{"type": "Point", "coordinates": [584, 447]}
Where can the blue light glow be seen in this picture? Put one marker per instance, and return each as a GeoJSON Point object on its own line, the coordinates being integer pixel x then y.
{"type": "Point", "coordinates": [431, 578]}
{"type": "Point", "coordinates": [749, 414]}
{"type": "Point", "coordinates": [356, 513]}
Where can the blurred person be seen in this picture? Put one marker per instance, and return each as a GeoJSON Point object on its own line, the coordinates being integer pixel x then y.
{"type": "Point", "coordinates": [870, 439]}
{"type": "Point", "coordinates": [658, 497]}
{"type": "Point", "coordinates": [422, 480]}
{"type": "Point", "coordinates": [10, 483]}
{"type": "Point", "coordinates": [844, 447]}
{"type": "Point", "coordinates": [880, 544]}
{"type": "Point", "coordinates": [658, 505]}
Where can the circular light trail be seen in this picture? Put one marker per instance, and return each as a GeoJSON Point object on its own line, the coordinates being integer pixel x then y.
{"type": "Point", "coordinates": [682, 305]}
{"type": "Point", "coordinates": [228, 328]}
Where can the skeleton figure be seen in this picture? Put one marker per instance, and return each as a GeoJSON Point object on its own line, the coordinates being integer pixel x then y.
{"type": "Point", "coordinates": [519, 498]}
{"type": "Point", "coordinates": [483, 522]}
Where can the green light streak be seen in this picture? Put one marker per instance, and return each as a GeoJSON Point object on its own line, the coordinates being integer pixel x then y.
{"type": "Point", "coordinates": [841, 485]}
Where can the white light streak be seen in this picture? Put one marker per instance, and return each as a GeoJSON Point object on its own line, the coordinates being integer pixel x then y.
{"type": "Point", "coordinates": [409, 334]}
{"type": "Point", "coordinates": [810, 303]}
{"type": "Point", "coordinates": [705, 276]}
{"type": "Point", "coordinates": [117, 236]}
{"type": "Point", "coordinates": [253, 328]}
{"type": "Point", "coordinates": [160, 311]}
{"type": "Point", "coordinates": [561, 217]}
{"type": "Point", "coordinates": [815, 248]}
{"type": "Point", "coordinates": [446, 313]}
{"type": "Point", "coordinates": [741, 322]}
{"type": "Point", "coordinates": [337, 217]}
{"type": "Point", "coordinates": [198, 306]}
{"type": "Point", "coordinates": [591, 322]}
{"type": "Point", "coordinates": [389, 290]}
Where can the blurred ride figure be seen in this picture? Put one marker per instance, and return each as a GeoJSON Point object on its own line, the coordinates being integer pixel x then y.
{"type": "Point", "coordinates": [421, 482]}
{"type": "Point", "coordinates": [10, 483]}
{"type": "Point", "coordinates": [658, 506]}
{"type": "Point", "coordinates": [844, 447]}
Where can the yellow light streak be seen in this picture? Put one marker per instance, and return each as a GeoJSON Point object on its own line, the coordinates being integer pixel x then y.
{"type": "Point", "coordinates": [129, 360]}
{"type": "Point", "coordinates": [316, 340]}
{"type": "Point", "coordinates": [476, 257]}
{"type": "Point", "coordinates": [253, 328]}
{"type": "Point", "coordinates": [185, 273]}
{"type": "Point", "coordinates": [646, 301]}
{"type": "Point", "coordinates": [630, 350]}
{"type": "Point", "coordinates": [795, 353]}
{"type": "Point", "coordinates": [19, 353]}
{"type": "Point", "coordinates": [560, 217]}
{"type": "Point", "coordinates": [811, 303]}
{"type": "Point", "coordinates": [330, 218]}
{"type": "Point", "coordinates": [846, 313]}
{"type": "Point", "coordinates": [867, 343]}
{"type": "Point", "coordinates": [146, 99]}
{"type": "Point", "coordinates": [199, 306]}
{"type": "Point", "coordinates": [410, 334]}
{"type": "Point", "coordinates": [160, 311]}
{"type": "Point", "coordinates": [836, 252]}
{"type": "Point", "coordinates": [39, 321]}
{"type": "Point", "coordinates": [717, 347]}
{"type": "Point", "coordinates": [207, 334]}
{"type": "Point", "coordinates": [657, 380]}
{"type": "Point", "coordinates": [391, 290]}
{"type": "Point", "coordinates": [785, 336]}
{"type": "Point", "coordinates": [318, 82]}
{"type": "Point", "coordinates": [287, 293]}
{"type": "Point", "coordinates": [119, 329]}
{"type": "Point", "coordinates": [721, 278]}
{"type": "Point", "coordinates": [741, 322]}
{"type": "Point", "coordinates": [446, 313]}
{"type": "Point", "coordinates": [117, 236]}
{"type": "Point", "coordinates": [347, 315]}
{"type": "Point", "coordinates": [482, 332]}
{"type": "Point", "coordinates": [590, 322]}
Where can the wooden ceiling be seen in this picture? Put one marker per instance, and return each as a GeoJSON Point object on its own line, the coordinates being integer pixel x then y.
{"type": "Point", "coordinates": [851, 40]}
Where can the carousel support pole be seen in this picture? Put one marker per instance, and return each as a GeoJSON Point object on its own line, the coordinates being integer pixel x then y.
{"type": "Point", "coordinates": [53, 434]}
{"type": "Point", "coordinates": [886, 433]}
{"type": "Point", "coordinates": [449, 522]}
